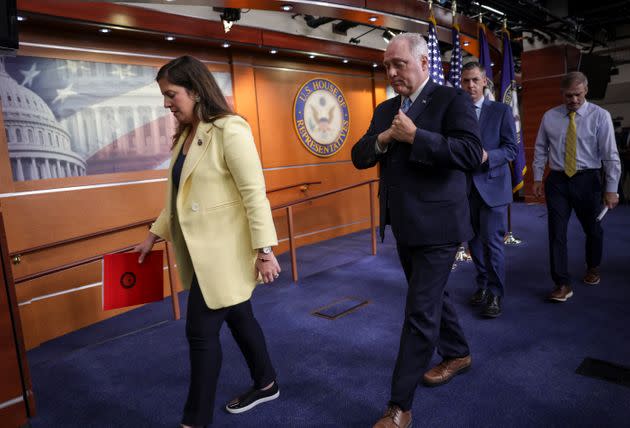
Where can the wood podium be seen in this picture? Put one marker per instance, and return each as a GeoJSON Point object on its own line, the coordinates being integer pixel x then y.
{"type": "Point", "coordinates": [16, 395]}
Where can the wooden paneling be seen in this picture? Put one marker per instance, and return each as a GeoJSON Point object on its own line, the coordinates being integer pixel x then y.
{"type": "Point", "coordinates": [245, 98]}
{"type": "Point", "coordinates": [146, 19]}
{"type": "Point", "coordinates": [543, 70]}
{"type": "Point", "coordinates": [16, 399]}
{"type": "Point", "coordinates": [288, 41]}
{"type": "Point", "coordinates": [389, 14]}
{"type": "Point", "coordinates": [34, 220]}
{"type": "Point", "coordinates": [277, 124]}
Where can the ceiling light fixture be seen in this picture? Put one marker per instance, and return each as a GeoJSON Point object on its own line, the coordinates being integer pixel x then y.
{"type": "Point", "coordinates": [228, 17]}
{"type": "Point", "coordinates": [373, 18]}
{"type": "Point", "coordinates": [345, 61]}
{"type": "Point", "coordinates": [287, 7]}
{"type": "Point", "coordinates": [169, 38]}
{"type": "Point", "coordinates": [491, 9]}
{"type": "Point", "coordinates": [104, 30]}
{"type": "Point", "coordinates": [273, 51]}
{"type": "Point", "coordinates": [21, 18]}
{"type": "Point", "coordinates": [226, 44]}
{"type": "Point", "coordinates": [466, 43]}
{"type": "Point", "coordinates": [388, 35]}
{"type": "Point", "coordinates": [374, 65]}
{"type": "Point", "coordinates": [311, 56]}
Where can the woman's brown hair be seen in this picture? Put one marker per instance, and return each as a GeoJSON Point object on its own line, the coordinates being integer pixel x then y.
{"type": "Point", "coordinates": [190, 73]}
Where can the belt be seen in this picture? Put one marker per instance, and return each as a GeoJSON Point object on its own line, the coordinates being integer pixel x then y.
{"type": "Point", "coordinates": [580, 171]}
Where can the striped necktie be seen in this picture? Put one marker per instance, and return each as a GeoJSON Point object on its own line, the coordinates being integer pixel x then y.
{"type": "Point", "coordinates": [570, 167]}
{"type": "Point", "coordinates": [406, 104]}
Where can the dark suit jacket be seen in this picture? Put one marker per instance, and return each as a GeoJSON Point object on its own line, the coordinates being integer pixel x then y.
{"type": "Point", "coordinates": [424, 186]}
{"type": "Point", "coordinates": [493, 179]}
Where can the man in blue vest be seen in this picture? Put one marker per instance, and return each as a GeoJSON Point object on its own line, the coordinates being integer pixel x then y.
{"type": "Point", "coordinates": [491, 191]}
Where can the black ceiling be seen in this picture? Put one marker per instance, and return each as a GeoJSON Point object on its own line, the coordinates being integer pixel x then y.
{"type": "Point", "coordinates": [594, 23]}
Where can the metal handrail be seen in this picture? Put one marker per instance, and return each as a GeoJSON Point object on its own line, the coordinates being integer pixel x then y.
{"type": "Point", "coordinates": [287, 206]}
{"type": "Point", "coordinates": [62, 242]}
{"type": "Point", "coordinates": [303, 186]}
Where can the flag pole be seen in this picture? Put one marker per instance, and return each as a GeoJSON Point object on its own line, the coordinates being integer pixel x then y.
{"type": "Point", "coordinates": [509, 238]}
{"type": "Point", "coordinates": [461, 255]}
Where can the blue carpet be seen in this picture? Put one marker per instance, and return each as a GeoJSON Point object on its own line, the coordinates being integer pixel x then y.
{"type": "Point", "coordinates": [131, 371]}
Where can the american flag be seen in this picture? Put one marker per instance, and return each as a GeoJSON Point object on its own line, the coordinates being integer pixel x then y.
{"type": "Point", "coordinates": [435, 60]}
{"type": "Point", "coordinates": [455, 70]}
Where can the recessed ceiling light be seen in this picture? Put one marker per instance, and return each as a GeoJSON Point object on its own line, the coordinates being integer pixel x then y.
{"type": "Point", "coordinates": [466, 43]}
{"type": "Point", "coordinates": [373, 18]}
{"type": "Point", "coordinates": [287, 7]}
{"type": "Point", "coordinates": [492, 64]}
{"type": "Point", "coordinates": [311, 56]}
{"type": "Point", "coordinates": [273, 51]}
{"type": "Point", "coordinates": [21, 18]}
{"type": "Point", "coordinates": [169, 38]}
{"type": "Point", "coordinates": [345, 61]}
{"type": "Point", "coordinates": [225, 45]}
{"type": "Point", "coordinates": [375, 65]}
{"type": "Point", "coordinates": [104, 30]}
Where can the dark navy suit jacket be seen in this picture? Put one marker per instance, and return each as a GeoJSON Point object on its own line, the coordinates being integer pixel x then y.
{"type": "Point", "coordinates": [424, 186]}
{"type": "Point", "coordinates": [493, 179]}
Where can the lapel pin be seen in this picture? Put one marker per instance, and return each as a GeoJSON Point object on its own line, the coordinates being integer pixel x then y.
{"type": "Point", "coordinates": [199, 142]}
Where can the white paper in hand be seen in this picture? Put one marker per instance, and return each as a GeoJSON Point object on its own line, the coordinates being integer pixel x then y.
{"type": "Point", "coordinates": [602, 214]}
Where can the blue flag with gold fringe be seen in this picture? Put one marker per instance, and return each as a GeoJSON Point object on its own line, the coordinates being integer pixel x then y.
{"type": "Point", "coordinates": [486, 61]}
{"type": "Point", "coordinates": [509, 96]}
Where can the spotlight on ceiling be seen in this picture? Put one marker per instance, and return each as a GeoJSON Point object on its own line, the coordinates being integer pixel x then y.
{"type": "Point", "coordinates": [287, 7]}
{"type": "Point", "coordinates": [228, 16]}
{"type": "Point", "coordinates": [342, 27]}
{"type": "Point", "coordinates": [313, 22]}
{"type": "Point", "coordinates": [388, 35]}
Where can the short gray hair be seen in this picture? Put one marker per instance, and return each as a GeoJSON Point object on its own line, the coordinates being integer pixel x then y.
{"type": "Point", "coordinates": [574, 77]}
{"type": "Point", "coordinates": [417, 44]}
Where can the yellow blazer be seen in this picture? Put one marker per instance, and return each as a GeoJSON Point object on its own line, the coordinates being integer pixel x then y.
{"type": "Point", "coordinates": [221, 214]}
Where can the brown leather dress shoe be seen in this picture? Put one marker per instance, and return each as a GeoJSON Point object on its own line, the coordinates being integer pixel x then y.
{"type": "Point", "coordinates": [394, 417]}
{"type": "Point", "coordinates": [592, 276]}
{"type": "Point", "coordinates": [446, 370]}
{"type": "Point", "coordinates": [561, 294]}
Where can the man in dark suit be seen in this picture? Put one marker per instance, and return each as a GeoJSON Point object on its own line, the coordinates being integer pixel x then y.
{"type": "Point", "coordinates": [491, 191]}
{"type": "Point", "coordinates": [425, 140]}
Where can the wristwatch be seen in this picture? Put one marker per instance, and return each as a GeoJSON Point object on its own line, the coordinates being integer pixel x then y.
{"type": "Point", "coordinates": [264, 250]}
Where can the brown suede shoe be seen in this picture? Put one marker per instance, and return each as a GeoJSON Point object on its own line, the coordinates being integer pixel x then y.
{"type": "Point", "coordinates": [592, 276]}
{"type": "Point", "coordinates": [561, 294]}
{"type": "Point", "coordinates": [394, 417]}
{"type": "Point", "coordinates": [446, 371]}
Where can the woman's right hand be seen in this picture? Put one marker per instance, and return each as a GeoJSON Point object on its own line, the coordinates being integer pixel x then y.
{"type": "Point", "coordinates": [145, 246]}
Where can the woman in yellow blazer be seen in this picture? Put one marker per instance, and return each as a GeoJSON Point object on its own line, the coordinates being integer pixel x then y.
{"type": "Point", "coordinates": [219, 220]}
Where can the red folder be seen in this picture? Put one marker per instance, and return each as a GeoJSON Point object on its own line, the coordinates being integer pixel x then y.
{"type": "Point", "coordinates": [128, 283]}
